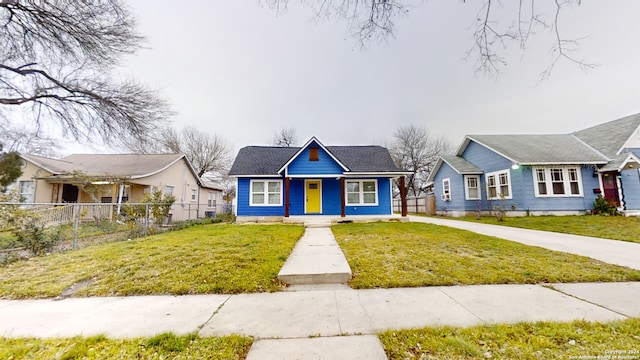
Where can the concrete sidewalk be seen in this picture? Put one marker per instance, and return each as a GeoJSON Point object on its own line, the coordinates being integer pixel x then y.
{"type": "Point", "coordinates": [623, 253]}
{"type": "Point", "coordinates": [276, 318]}
{"type": "Point", "coordinates": [311, 322]}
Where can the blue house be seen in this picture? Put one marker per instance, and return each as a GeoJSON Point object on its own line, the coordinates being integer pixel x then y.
{"type": "Point", "coordinates": [542, 174]}
{"type": "Point", "coordinates": [274, 183]}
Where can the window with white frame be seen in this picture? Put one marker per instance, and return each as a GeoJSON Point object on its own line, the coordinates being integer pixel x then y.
{"type": "Point", "coordinates": [27, 189]}
{"type": "Point", "coordinates": [211, 199]}
{"type": "Point", "coordinates": [168, 190]}
{"type": "Point", "coordinates": [194, 194]}
{"type": "Point", "coordinates": [498, 185]}
{"type": "Point", "coordinates": [472, 187]}
{"type": "Point", "coordinates": [557, 181]}
{"type": "Point", "coordinates": [446, 189]}
{"type": "Point", "coordinates": [362, 192]}
{"type": "Point", "coordinates": [266, 193]}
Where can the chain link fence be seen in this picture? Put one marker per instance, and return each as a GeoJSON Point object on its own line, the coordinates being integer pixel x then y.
{"type": "Point", "coordinates": [73, 225]}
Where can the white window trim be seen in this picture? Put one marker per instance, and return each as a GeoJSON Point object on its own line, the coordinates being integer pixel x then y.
{"type": "Point", "coordinates": [194, 195]}
{"type": "Point", "coordinates": [30, 198]}
{"type": "Point", "coordinates": [498, 192]}
{"type": "Point", "coordinates": [565, 180]}
{"type": "Point", "coordinates": [446, 195]}
{"type": "Point", "coordinates": [466, 187]}
{"type": "Point", "coordinates": [211, 199]}
{"type": "Point", "coordinates": [266, 193]}
{"type": "Point", "coordinates": [360, 192]}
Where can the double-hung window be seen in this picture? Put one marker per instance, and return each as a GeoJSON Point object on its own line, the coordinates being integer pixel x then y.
{"type": "Point", "coordinates": [499, 185]}
{"type": "Point", "coordinates": [362, 192]}
{"type": "Point", "coordinates": [266, 193]}
{"type": "Point", "coordinates": [557, 181]}
{"type": "Point", "coordinates": [27, 188]}
{"type": "Point", "coordinates": [446, 189]}
{"type": "Point", "coordinates": [472, 187]}
{"type": "Point", "coordinates": [211, 199]}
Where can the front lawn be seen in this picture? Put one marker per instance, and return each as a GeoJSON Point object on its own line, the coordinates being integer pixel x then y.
{"type": "Point", "coordinates": [607, 227]}
{"type": "Point", "coordinates": [207, 259]}
{"type": "Point", "coordinates": [163, 346]}
{"type": "Point", "coordinates": [543, 340]}
{"type": "Point", "coordinates": [390, 255]}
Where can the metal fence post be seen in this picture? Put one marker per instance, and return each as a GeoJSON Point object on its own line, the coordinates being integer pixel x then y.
{"type": "Point", "coordinates": [76, 220]}
{"type": "Point", "coordinates": [146, 219]}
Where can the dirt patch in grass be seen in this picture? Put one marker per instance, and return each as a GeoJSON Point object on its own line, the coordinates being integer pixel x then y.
{"type": "Point", "coordinates": [542, 340]}
{"type": "Point", "coordinates": [412, 254]}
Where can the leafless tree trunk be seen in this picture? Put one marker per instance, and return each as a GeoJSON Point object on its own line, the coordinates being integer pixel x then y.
{"type": "Point", "coordinates": [415, 150]}
{"type": "Point", "coordinates": [285, 137]}
{"type": "Point", "coordinates": [58, 57]}
{"type": "Point", "coordinates": [493, 28]}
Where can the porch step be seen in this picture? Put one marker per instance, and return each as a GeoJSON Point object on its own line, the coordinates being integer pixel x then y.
{"type": "Point", "coordinates": [316, 259]}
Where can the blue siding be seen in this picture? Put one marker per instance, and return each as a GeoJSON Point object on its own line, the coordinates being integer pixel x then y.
{"type": "Point", "coordinates": [243, 201]}
{"type": "Point", "coordinates": [457, 202]}
{"type": "Point", "coordinates": [325, 164]}
{"type": "Point", "coordinates": [631, 189]}
{"type": "Point", "coordinates": [330, 199]}
{"type": "Point", "coordinates": [522, 186]}
{"type": "Point", "coordinates": [384, 201]}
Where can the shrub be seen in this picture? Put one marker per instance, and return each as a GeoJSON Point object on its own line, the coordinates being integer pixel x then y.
{"type": "Point", "coordinates": [35, 239]}
{"type": "Point", "coordinates": [602, 206]}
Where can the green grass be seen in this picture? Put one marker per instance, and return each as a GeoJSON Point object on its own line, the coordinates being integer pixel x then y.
{"type": "Point", "coordinates": [391, 255]}
{"type": "Point", "coordinates": [543, 340]}
{"type": "Point", "coordinates": [207, 259]}
{"type": "Point", "coordinates": [163, 346]}
{"type": "Point", "coordinates": [607, 227]}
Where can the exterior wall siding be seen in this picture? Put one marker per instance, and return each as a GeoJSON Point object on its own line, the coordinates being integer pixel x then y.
{"type": "Point", "coordinates": [243, 208]}
{"type": "Point", "coordinates": [325, 164]}
{"type": "Point", "coordinates": [522, 187]}
{"type": "Point", "coordinates": [631, 188]}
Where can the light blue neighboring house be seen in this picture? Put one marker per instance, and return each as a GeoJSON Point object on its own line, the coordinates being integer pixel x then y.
{"type": "Point", "coordinates": [275, 183]}
{"type": "Point", "coordinates": [542, 174]}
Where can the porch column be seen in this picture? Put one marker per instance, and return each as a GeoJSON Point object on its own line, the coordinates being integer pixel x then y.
{"type": "Point", "coordinates": [286, 197]}
{"type": "Point", "coordinates": [342, 189]}
{"type": "Point", "coordinates": [403, 196]}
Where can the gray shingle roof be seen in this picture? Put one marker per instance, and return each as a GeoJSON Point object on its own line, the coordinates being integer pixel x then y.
{"type": "Point", "coordinates": [130, 165]}
{"type": "Point", "coordinates": [267, 160]}
{"type": "Point", "coordinates": [608, 138]}
{"type": "Point", "coordinates": [461, 165]}
{"type": "Point", "coordinates": [539, 149]}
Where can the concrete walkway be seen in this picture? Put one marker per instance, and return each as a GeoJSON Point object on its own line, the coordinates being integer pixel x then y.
{"type": "Point", "coordinates": [610, 251]}
{"type": "Point", "coordinates": [316, 259]}
{"type": "Point", "coordinates": [311, 322]}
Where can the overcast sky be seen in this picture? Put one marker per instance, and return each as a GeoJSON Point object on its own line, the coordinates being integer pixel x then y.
{"type": "Point", "coordinates": [242, 71]}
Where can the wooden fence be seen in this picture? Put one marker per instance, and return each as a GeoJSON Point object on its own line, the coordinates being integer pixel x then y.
{"type": "Point", "coordinates": [417, 205]}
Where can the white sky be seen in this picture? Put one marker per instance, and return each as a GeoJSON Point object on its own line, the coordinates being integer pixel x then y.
{"type": "Point", "coordinates": [242, 71]}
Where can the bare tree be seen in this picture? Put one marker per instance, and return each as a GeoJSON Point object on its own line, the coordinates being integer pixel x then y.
{"type": "Point", "coordinates": [285, 137]}
{"type": "Point", "coordinates": [26, 141]}
{"type": "Point", "coordinates": [58, 57]}
{"type": "Point", "coordinates": [496, 25]}
{"type": "Point", "coordinates": [415, 150]}
{"type": "Point", "coordinates": [210, 155]}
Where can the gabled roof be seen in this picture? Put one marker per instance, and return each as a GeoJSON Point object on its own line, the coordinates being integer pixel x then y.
{"type": "Point", "coordinates": [459, 164]}
{"type": "Point", "coordinates": [270, 160]}
{"type": "Point", "coordinates": [609, 138]}
{"type": "Point", "coordinates": [538, 149]}
{"type": "Point", "coordinates": [132, 166]}
{"type": "Point", "coordinates": [624, 161]}
{"type": "Point", "coordinates": [303, 147]}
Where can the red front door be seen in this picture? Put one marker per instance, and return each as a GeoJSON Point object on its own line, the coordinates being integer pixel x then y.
{"type": "Point", "coordinates": [610, 185]}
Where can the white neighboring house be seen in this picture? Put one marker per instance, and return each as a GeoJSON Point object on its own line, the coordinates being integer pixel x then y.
{"type": "Point", "coordinates": [119, 178]}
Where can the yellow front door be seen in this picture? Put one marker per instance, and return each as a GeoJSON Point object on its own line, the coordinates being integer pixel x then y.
{"type": "Point", "coordinates": [313, 194]}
